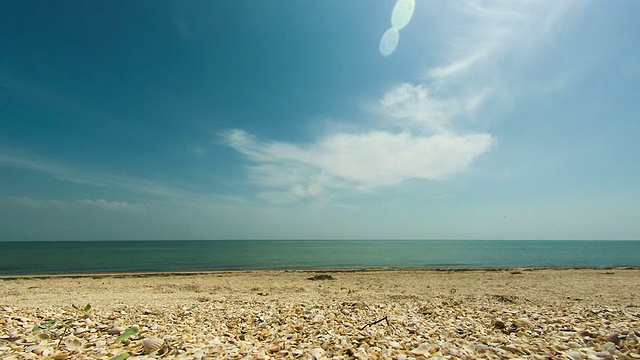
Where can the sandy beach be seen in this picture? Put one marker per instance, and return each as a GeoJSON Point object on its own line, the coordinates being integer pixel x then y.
{"type": "Point", "coordinates": [341, 314]}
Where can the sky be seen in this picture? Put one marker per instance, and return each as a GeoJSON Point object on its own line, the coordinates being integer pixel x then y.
{"type": "Point", "coordinates": [361, 119]}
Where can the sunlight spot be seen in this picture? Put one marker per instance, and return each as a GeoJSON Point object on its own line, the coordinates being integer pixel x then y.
{"type": "Point", "coordinates": [389, 41]}
{"type": "Point", "coordinates": [402, 13]}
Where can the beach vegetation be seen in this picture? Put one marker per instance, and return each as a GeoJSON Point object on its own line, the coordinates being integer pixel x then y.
{"type": "Point", "coordinates": [127, 334]}
{"type": "Point", "coordinates": [123, 356]}
{"type": "Point", "coordinates": [43, 325]}
{"type": "Point", "coordinates": [263, 294]}
{"type": "Point", "coordinates": [86, 308]}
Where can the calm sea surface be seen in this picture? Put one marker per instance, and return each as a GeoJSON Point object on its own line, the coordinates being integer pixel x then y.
{"type": "Point", "coordinates": [120, 256]}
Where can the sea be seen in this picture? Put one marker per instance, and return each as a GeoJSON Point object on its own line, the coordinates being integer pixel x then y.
{"type": "Point", "coordinates": [69, 257]}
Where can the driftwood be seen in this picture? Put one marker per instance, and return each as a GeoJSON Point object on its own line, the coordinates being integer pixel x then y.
{"type": "Point", "coordinates": [377, 321]}
{"type": "Point", "coordinates": [321, 277]}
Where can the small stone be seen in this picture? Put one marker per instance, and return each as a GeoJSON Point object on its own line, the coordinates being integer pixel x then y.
{"type": "Point", "coordinates": [614, 338]}
{"type": "Point", "coordinates": [7, 309]}
{"type": "Point", "coordinates": [395, 345]}
{"type": "Point", "coordinates": [499, 324]}
{"type": "Point", "coordinates": [603, 355]}
{"type": "Point", "coordinates": [401, 357]}
{"type": "Point", "coordinates": [115, 330]}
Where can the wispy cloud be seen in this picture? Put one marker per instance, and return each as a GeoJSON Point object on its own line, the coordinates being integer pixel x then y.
{"type": "Point", "coordinates": [418, 140]}
{"type": "Point", "coordinates": [490, 31]}
{"type": "Point", "coordinates": [361, 161]}
{"type": "Point", "coordinates": [81, 176]}
{"type": "Point", "coordinates": [421, 134]}
{"type": "Point", "coordinates": [35, 203]}
{"type": "Point", "coordinates": [112, 205]}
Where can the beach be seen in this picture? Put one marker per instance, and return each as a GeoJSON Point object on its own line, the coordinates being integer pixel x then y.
{"type": "Point", "coordinates": [333, 314]}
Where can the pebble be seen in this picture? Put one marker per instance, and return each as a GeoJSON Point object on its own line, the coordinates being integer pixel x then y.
{"type": "Point", "coordinates": [614, 338]}
{"type": "Point", "coordinates": [499, 324]}
{"type": "Point", "coordinates": [115, 330]}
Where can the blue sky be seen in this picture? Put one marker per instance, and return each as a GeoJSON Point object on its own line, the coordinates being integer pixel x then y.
{"type": "Point", "coordinates": [297, 120]}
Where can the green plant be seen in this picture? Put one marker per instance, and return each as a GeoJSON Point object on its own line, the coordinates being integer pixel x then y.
{"type": "Point", "coordinates": [86, 308]}
{"type": "Point", "coordinates": [127, 334]}
{"type": "Point", "coordinates": [43, 325]}
{"type": "Point", "coordinates": [68, 322]}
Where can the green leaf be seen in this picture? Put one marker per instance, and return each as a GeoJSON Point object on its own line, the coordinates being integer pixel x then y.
{"type": "Point", "coordinates": [263, 294]}
{"type": "Point", "coordinates": [121, 356]}
{"type": "Point", "coordinates": [44, 325]}
{"type": "Point", "coordinates": [127, 333]}
{"type": "Point", "coordinates": [86, 308]}
{"type": "Point", "coordinates": [75, 307]}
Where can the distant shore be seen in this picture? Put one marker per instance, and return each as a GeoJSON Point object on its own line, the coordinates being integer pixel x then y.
{"type": "Point", "coordinates": [479, 312]}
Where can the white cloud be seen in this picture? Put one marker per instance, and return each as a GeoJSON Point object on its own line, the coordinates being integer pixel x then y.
{"type": "Point", "coordinates": [361, 161]}
{"type": "Point", "coordinates": [422, 133]}
{"type": "Point", "coordinates": [35, 203]}
{"type": "Point", "coordinates": [417, 140]}
{"type": "Point", "coordinates": [112, 205]}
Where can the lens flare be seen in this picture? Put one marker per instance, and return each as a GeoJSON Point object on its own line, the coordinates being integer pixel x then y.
{"type": "Point", "coordinates": [402, 13]}
{"type": "Point", "coordinates": [389, 41]}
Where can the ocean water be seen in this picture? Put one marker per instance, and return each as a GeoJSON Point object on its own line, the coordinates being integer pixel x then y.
{"type": "Point", "coordinates": [123, 256]}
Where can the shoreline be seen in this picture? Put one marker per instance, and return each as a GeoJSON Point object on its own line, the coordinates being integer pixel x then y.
{"type": "Point", "coordinates": [576, 313]}
{"type": "Point", "coordinates": [167, 273]}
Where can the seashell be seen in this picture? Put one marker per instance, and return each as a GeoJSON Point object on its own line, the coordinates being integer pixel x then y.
{"type": "Point", "coordinates": [524, 323]}
{"type": "Point", "coordinates": [422, 349]}
{"type": "Point", "coordinates": [573, 355]}
{"type": "Point", "coordinates": [317, 353]}
{"type": "Point", "coordinates": [75, 344]}
{"type": "Point", "coordinates": [61, 356]}
{"type": "Point", "coordinates": [115, 330]}
{"type": "Point", "coordinates": [152, 344]}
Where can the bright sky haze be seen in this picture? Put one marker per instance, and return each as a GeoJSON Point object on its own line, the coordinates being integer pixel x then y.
{"type": "Point", "coordinates": [319, 120]}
